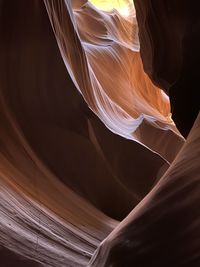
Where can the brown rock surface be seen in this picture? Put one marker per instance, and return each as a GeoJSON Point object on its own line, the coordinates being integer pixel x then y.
{"type": "Point", "coordinates": [84, 134]}
{"type": "Point", "coordinates": [169, 38]}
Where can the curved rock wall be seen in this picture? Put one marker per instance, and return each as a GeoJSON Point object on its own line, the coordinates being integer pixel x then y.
{"type": "Point", "coordinates": [84, 134]}
{"type": "Point", "coordinates": [169, 39]}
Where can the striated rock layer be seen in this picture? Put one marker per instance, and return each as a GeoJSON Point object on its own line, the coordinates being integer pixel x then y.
{"type": "Point", "coordinates": [126, 100]}
{"type": "Point", "coordinates": [164, 229]}
{"type": "Point", "coordinates": [84, 135]}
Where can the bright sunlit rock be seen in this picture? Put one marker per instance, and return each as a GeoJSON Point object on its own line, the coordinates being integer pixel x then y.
{"type": "Point", "coordinates": [122, 6]}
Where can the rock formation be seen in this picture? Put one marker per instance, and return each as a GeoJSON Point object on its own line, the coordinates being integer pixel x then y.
{"type": "Point", "coordinates": [169, 38]}
{"type": "Point", "coordinates": [86, 137]}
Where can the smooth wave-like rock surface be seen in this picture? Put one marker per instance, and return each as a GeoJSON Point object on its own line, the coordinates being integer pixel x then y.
{"type": "Point", "coordinates": [84, 134]}
{"type": "Point", "coordinates": [164, 229]}
{"type": "Point", "coordinates": [126, 100]}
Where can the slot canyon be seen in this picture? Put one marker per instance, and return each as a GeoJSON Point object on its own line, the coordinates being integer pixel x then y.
{"type": "Point", "coordinates": [99, 133]}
